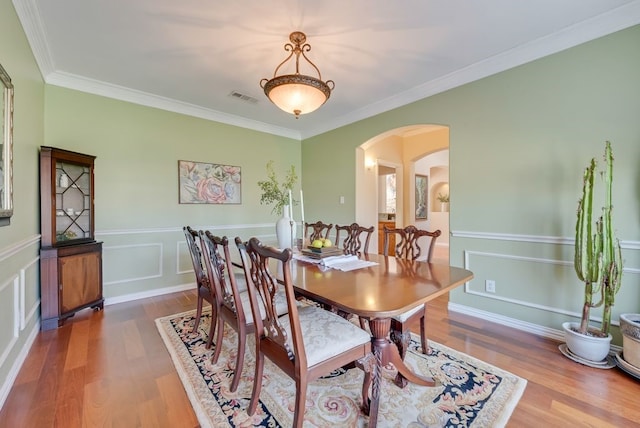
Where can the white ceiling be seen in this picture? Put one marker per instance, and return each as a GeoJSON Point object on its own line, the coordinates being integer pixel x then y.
{"type": "Point", "coordinates": [188, 56]}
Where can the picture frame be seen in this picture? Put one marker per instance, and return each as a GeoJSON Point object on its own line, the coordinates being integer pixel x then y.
{"type": "Point", "coordinates": [209, 183]}
{"type": "Point", "coordinates": [421, 197]}
{"type": "Point", "coordinates": [6, 149]}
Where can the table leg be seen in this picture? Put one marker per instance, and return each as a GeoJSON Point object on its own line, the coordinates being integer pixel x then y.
{"type": "Point", "coordinates": [386, 352]}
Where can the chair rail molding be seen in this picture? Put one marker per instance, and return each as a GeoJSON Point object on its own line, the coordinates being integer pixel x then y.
{"type": "Point", "coordinates": [18, 246]}
{"type": "Point", "coordinates": [158, 274]}
{"type": "Point", "coordinates": [540, 239]}
{"type": "Point", "coordinates": [216, 227]}
{"type": "Point", "coordinates": [467, 288]}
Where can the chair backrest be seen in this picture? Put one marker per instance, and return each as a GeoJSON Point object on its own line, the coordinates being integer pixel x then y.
{"type": "Point", "coordinates": [352, 243]}
{"type": "Point", "coordinates": [196, 256]}
{"type": "Point", "coordinates": [407, 246]}
{"type": "Point", "coordinates": [262, 286]}
{"type": "Point", "coordinates": [319, 230]}
{"type": "Point", "coordinates": [218, 262]}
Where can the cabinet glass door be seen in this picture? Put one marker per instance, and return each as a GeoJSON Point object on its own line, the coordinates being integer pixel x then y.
{"type": "Point", "coordinates": [73, 202]}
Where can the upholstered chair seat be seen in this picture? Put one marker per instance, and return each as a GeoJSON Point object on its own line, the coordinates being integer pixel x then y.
{"type": "Point", "coordinates": [324, 334]}
{"type": "Point", "coordinates": [281, 305]}
{"type": "Point", "coordinates": [403, 317]}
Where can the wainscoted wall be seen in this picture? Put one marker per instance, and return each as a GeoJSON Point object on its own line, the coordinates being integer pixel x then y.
{"type": "Point", "coordinates": [136, 264]}
{"type": "Point", "coordinates": [147, 262]}
{"type": "Point", "coordinates": [19, 307]}
{"type": "Point", "coordinates": [536, 285]}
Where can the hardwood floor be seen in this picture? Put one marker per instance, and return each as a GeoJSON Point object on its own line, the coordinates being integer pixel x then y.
{"type": "Point", "coordinates": [111, 369]}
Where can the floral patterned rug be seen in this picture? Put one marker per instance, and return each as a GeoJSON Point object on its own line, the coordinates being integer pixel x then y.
{"type": "Point", "coordinates": [472, 394]}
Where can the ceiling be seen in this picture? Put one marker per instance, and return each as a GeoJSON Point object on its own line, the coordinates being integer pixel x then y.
{"type": "Point", "coordinates": [188, 56]}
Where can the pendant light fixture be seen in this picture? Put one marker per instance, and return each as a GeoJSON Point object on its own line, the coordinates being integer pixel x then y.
{"type": "Point", "coordinates": [297, 93]}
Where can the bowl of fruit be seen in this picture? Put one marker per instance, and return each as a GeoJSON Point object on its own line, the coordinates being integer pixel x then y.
{"type": "Point", "coordinates": [323, 246]}
{"type": "Point", "coordinates": [319, 244]}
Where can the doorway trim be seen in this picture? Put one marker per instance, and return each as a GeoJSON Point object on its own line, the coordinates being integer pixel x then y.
{"type": "Point", "coordinates": [366, 169]}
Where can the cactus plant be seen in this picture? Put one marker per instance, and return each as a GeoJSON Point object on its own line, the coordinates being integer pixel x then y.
{"type": "Point", "coordinates": [598, 257]}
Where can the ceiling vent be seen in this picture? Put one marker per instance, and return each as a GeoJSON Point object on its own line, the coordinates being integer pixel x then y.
{"type": "Point", "coordinates": [242, 97]}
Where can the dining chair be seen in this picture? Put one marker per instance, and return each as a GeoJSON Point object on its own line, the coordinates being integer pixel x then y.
{"type": "Point", "coordinates": [352, 243]}
{"type": "Point", "coordinates": [319, 230]}
{"type": "Point", "coordinates": [232, 304]}
{"type": "Point", "coordinates": [205, 291]}
{"type": "Point", "coordinates": [307, 343]}
{"type": "Point", "coordinates": [408, 248]}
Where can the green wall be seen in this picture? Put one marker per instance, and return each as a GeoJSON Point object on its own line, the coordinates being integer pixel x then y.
{"type": "Point", "coordinates": [138, 216]}
{"type": "Point", "coordinates": [518, 143]}
{"type": "Point", "coordinates": [19, 242]}
{"type": "Point", "coordinates": [138, 148]}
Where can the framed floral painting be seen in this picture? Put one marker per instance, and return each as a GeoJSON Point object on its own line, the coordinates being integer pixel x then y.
{"type": "Point", "coordinates": [209, 183]}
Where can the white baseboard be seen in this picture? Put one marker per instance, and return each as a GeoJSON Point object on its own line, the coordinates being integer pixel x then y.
{"type": "Point", "coordinates": [150, 293]}
{"type": "Point", "coordinates": [17, 364]}
{"type": "Point", "coordinates": [528, 327]}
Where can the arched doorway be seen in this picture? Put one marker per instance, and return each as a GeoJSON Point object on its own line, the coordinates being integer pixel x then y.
{"type": "Point", "coordinates": [405, 148]}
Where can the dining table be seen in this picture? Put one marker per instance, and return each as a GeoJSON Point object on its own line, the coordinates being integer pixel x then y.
{"type": "Point", "coordinates": [377, 288]}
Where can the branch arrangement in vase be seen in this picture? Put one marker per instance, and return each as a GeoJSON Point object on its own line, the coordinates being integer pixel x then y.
{"type": "Point", "coordinates": [274, 192]}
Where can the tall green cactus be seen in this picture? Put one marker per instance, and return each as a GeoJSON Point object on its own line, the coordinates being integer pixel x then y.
{"type": "Point", "coordinates": [598, 257]}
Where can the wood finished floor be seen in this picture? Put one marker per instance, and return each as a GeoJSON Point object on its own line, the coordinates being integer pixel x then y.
{"type": "Point", "coordinates": [111, 369]}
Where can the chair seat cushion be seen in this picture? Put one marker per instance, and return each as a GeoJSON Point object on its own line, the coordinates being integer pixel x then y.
{"type": "Point", "coordinates": [403, 317]}
{"type": "Point", "coordinates": [325, 334]}
{"type": "Point", "coordinates": [281, 305]}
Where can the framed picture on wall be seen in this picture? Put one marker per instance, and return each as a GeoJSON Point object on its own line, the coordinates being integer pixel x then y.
{"type": "Point", "coordinates": [422, 191]}
{"type": "Point", "coordinates": [209, 183]}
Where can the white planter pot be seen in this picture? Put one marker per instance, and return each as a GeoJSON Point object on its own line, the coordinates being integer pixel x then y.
{"type": "Point", "coordinates": [587, 347]}
{"type": "Point", "coordinates": [630, 329]}
{"type": "Point", "coordinates": [285, 230]}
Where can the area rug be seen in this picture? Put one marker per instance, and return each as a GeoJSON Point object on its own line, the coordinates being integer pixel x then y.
{"type": "Point", "coordinates": [472, 394]}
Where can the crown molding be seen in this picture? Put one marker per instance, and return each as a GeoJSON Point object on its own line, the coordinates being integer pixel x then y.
{"type": "Point", "coordinates": [29, 17]}
{"type": "Point", "coordinates": [618, 19]}
{"type": "Point", "coordinates": [96, 87]}
{"type": "Point", "coordinates": [615, 20]}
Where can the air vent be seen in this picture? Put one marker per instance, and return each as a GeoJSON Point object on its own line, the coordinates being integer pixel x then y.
{"type": "Point", "coordinates": [242, 97]}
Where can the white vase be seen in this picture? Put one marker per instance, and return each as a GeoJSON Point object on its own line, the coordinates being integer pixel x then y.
{"type": "Point", "coordinates": [285, 229]}
{"type": "Point", "coordinates": [588, 347]}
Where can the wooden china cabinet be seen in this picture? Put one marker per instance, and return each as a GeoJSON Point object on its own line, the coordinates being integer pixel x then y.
{"type": "Point", "coordinates": [70, 257]}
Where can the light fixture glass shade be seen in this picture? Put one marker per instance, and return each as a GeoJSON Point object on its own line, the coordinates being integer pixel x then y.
{"type": "Point", "coordinates": [297, 93]}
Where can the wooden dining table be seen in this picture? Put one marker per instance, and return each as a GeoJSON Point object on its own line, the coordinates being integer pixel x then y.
{"type": "Point", "coordinates": [377, 293]}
